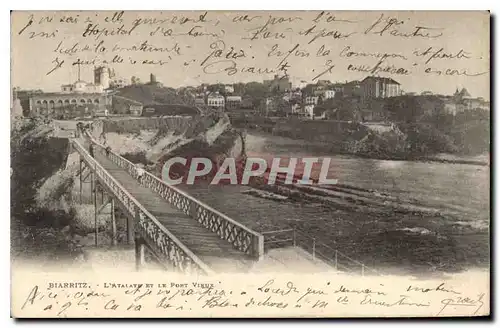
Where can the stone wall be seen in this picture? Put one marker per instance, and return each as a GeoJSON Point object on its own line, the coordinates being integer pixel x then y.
{"type": "Point", "coordinates": [189, 126]}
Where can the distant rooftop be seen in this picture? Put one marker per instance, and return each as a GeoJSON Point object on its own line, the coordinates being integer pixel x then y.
{"type": "Point", "coordinates": [65, 94]}
{"type": "Point", "coordinates": [463, 93]}
{"type": "Point", "coordinates": [381, 79]}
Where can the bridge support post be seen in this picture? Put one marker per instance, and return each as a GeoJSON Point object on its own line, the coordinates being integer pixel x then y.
{"type": "Point", "coordinates": [314, 249]}
{"type": "Point", "coordinates": [92, 184]}
{"type": "Point", "coordinates": [81, 179]}
{"type": "Point", "coordinates": [113, 223]}
{"type": "Point", "coordinates": [258, 247]}
{"type": "Point", "coordinates": [139, 253]}
{"type": "Point", "coordinates": [130, 230]}
{"type": "Point", "coordinates": [95, 213]}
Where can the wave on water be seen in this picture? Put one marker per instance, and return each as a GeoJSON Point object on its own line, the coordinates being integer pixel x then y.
{"type": "Point", "coordinates": [387, 164]}
{"type": "Point", "coordinates": [480, 225]}
{"type": "Point", "coordinates": [265, 194]}
{"type": "Point", "coordinates": [417, 230]}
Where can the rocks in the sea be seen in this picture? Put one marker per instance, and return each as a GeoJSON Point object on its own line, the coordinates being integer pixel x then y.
{"type": "Point", "coordinates": [66, 229]}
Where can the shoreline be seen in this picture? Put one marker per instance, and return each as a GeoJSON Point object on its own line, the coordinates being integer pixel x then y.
{"type": "Point", "coordinates": [323, 147]}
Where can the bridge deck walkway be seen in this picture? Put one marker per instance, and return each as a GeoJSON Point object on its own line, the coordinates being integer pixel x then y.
{"type": "Point", "coordinates": [217, 253]}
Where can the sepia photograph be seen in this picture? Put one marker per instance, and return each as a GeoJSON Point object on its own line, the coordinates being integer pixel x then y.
{"type": "Point", "coordinates": [250, 164]}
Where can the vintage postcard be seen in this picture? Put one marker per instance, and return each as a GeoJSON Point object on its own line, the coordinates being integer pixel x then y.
{"type": "Point", "coordinates": [253, 164]}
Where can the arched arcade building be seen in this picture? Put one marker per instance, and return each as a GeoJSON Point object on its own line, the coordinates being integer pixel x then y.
{"type": "Point", "coordinates": [54, 103]}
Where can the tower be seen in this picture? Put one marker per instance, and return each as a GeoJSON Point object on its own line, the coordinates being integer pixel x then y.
{"type": "Point", "coordinates": [152, 78]}
{"type": "Point", "coordinates": [16, 108]}
{"type": "Point", "coordinates": [101, 76]}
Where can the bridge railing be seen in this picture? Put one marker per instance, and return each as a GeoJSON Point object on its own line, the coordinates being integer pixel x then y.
{"type": "Point", "coordinates": [240, 236]}
{"type": "Point", "coordinates": [166, 247]}
{"type": "Point", "coordinates": [317, 249]}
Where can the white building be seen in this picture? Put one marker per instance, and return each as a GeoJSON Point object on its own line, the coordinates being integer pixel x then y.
{"type": "Point", "coordinates": [311, 100]}
{"type": "Point", "coordinates": [296, 108]}
{"type": "Point", "coordinates": [119, 82]}
{"type": "Point", "coordinates": [233, 102]}
{"type": "Point", "coordinates": [301, 85]}
{"type": "Point", "coordinates": [269, 105]}
{"type": "Point", "coordinates": [380, 87]}
{"type": "Point", "coordinates": [101, 82]}
{"type": "Point", "coordinates": [216, 100]}
{"type": "Point", "coordinates": [199, 100]}
{"type": "Point", "coordinates": [328, 94]}
{"type": "Point", "coordinates": [16, 108]}
{"type": "Point", "coordinates": [309, 110]}
{"type": "Point", "coordinates": [82, 87]}
{"type": "Point", "coordinates": [228, 88]}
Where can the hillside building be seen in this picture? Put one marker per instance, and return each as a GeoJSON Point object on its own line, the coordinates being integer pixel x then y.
{"type": "Point", "coordinates": [80, 96]}
{"type": "Point", "coordinates": [216, 101]}
{"type": "Point", "coordinates": [279, 84]}
{"type": "Point", "coordinates": [233, 102]}
{"type": "Point", "coordinates": [379, 87]}
{"type": "Point", "coordinates": [311, 100]}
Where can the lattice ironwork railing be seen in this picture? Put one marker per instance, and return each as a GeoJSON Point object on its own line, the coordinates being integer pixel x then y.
{"type": "Point", "coordinates": [166, 247]}
{"type": "Point", "coordinates": [240, 236]}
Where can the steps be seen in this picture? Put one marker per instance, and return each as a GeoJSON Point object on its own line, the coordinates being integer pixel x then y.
{"type": "Point", "coordinates": [290, 260]}
{"type": "Point", "coordinates": [121, 257]}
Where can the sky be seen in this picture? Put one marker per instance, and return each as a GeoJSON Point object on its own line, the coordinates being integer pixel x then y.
{"type": "Point", "coordinates": [344, 46]}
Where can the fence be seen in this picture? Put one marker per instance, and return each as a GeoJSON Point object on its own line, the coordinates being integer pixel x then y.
{"type": "Point", "coordinates": [166, 247]}
{"type": "Point", "coordinates": [317, 249]}
{"type": "Point", "coordinates": [241, 237]}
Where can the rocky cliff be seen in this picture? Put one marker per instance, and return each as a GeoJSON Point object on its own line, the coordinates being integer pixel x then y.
{"type": "Point", "coordinates": [152, 141]}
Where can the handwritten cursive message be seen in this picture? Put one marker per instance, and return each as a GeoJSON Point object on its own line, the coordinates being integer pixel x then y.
{"type": "Point", "coordinates": [177, 296]}
{"type": "Point", "coordinates": [235, 46]}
